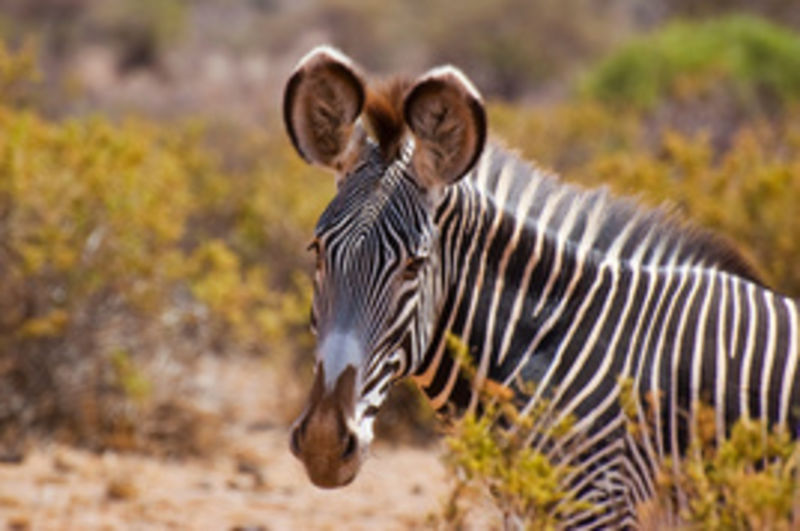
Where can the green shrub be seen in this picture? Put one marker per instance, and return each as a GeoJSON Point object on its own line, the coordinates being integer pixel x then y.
{"type": "Point", "coordinates": [687, 59]}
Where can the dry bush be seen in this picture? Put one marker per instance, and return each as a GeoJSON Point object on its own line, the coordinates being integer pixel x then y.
{"type": "Point", "coordinates": [749, 480]}
{"type": "Point", "coordinates": [492, 462]}
{"type": "Point", "coordinates": [128, 247]}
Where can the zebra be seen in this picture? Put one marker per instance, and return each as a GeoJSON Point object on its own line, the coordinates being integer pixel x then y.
{"type": "Point", "coordinates": [435, 231]}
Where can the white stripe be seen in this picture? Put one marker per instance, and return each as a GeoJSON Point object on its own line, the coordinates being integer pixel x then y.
{"type": "Point", "coordinates": [549, 209]}
{"type": "Point", "coordinates": [501, 196]}
{"type": "Point", "coordinates": [560, 251]}
{"type": "Point", "coordinates": [586, 350]}
{"type": "Point", "coordinates": [670, 273]}
{"type": "Point", "coordinates": [750, 346]}
{"type": "Point", "coordinates": [677, 351]}
{"type": "Point", "coordinates": [520, 216]}
{"type": "Point", "coordinates": [769, 353]}
{"type": "Point", "coordinates": [791, 363]}
{"type": "Point", "coordinates": [697, 356]}
{"type": "Point", "coordinates": [736, 307]}
{"type": "Point", "coordinates": [473, 227]}
{"type": "Point", "coordinates": [721, 375]}
{"type": "Point", "coordinates": [645, 325]}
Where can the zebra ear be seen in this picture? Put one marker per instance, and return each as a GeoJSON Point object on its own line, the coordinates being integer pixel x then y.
{"type": "Point", "coordinates": [445, 113]}
{"type": "Point", "coordinates": [321, 102]}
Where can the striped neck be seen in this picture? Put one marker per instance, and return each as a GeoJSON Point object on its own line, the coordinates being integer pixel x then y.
{"type": "Point", "coordinates": [518, 248]}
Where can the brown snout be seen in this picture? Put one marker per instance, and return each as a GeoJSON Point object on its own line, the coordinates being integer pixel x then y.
{"type": "Point", "coordinates": [321, 438]}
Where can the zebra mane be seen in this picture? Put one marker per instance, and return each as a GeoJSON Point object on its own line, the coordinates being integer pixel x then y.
{"type": "Point", "coordinates": [383, 114]}
{"type": "Point", "coordinates": [651, 235]}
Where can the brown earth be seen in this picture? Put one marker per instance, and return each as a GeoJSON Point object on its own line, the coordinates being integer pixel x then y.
{"type": "Point", "coordinates": [252, 483]}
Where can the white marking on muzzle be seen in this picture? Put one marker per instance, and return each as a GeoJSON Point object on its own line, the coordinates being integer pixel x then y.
{"type": "Point", "coordinates": [337, 351]}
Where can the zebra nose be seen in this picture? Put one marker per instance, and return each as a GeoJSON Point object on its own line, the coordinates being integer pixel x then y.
{"type": "Point", "coordinates": [350, 447]}
{"type": "Point", "coordinates": [322, 438]}
{"type": "Point", "coordinates": [350, 444]}
{"type": "Point", "coordinates": [331, 457]}
{"type": "Point", "coordinates": [295, 441]}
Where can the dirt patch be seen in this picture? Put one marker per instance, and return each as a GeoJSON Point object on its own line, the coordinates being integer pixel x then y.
{"type": "Point", "coordinates": [251, 483]}
{"type": "Point", "coordinates": [260, 486]}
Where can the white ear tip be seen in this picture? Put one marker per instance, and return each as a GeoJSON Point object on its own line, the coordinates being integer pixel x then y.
{"type": "Point", "coordinates": [445, 71]}
{"type": "Point", "coordinates": [325, 51]}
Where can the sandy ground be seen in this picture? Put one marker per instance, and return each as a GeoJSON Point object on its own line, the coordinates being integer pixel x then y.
{"type": "Point", "coordinates": [63, 488]}
{"type": "Point", "coordinates": [253, 484]}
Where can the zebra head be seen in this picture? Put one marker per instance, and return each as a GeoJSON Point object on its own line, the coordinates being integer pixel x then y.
{"type": "Point", "coordinates": [394, 152]}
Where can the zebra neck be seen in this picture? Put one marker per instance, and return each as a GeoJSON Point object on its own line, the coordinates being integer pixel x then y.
{"type": "Point", "coordinates": [519, 253]}
{"type": "Point", "coordinates": [508, 284]}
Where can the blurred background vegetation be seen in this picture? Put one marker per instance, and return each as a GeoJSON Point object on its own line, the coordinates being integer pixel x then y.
{"type": "Point", "coordinates": [153, 213]}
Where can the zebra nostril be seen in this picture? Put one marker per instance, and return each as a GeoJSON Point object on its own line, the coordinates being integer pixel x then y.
{"type": "Point", "coordinates": [294, 442]}
{"type": "Point", "coordinates": [350, 447]}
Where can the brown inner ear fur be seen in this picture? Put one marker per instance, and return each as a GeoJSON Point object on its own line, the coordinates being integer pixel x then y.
{"type": "Point", "coordinates": [384, 114]}
{"type": "Point", "coordinates": [322, 102]}
{"type": "Point", "coordinates": [450, 127]}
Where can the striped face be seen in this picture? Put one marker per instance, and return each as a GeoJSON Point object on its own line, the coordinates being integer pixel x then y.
{"type": "Point", "coordinates": [373, 287]}
{"type": "Point", "coordinates": [375, 284]}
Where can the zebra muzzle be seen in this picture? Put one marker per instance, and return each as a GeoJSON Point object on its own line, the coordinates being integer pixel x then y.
{"type": "Point", "coordinates": [321, 438]}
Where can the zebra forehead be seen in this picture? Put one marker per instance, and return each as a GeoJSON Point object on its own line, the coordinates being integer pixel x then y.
{"type": "Point", "coordinates": [373, 201]}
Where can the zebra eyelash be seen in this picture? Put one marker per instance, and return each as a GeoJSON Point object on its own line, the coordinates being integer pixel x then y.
{"type": "Point", "coordinates": [413, 266]}
{"type": "Point", "coordinates": [312, 321]}
{"type": "Point", "coordinates": [314, 245]}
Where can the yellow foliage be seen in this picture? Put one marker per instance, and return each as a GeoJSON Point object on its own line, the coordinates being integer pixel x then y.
{"type": "Point", "coordinates": [522, 482]}
{"type": "Point", "coordinates": [48, 325]}
{"type": "Point", "coordinates": [175, 227]}
{"type": "Point", "coordinates": [748, 481]}
{"type": "Point", "coordinates": [91, 207]}
{"type": "Point", "coordinates": [88, 207]}
{"type": "Point", "coordinates": [495, 462]}
{"type": "Point", "coordinates": [17, 69]}
{"type": "Point", "coordinates": [238, 296]}
{"type": "Point", "coordinates": [128, 376]}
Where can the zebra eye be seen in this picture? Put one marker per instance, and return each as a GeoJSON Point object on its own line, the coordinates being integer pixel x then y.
{"type": "Point", "coordinates": [413, 266]}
